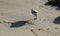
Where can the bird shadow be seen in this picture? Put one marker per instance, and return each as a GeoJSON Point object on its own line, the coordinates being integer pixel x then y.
{"type": "Point", "coordinates": [57, 20]}
{"type": "Point", "coordinates": [18, 24]}
{"type": "Point", "coordinates": [55, 4]}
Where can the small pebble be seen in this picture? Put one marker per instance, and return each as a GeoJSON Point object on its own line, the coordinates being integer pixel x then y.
{"type": "Point", "coordinates": [39, 29]}
{"type": "Point", "coordinates": [56, 28]}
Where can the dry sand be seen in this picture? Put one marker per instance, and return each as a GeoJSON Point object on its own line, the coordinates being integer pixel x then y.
{"type": "Point", "coordinates": [15, 10]}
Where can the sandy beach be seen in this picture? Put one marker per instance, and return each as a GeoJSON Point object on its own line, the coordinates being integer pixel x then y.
{"type": "Point", "coordinates": [12, 11]}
